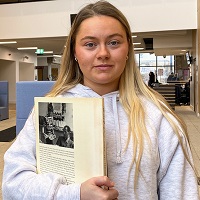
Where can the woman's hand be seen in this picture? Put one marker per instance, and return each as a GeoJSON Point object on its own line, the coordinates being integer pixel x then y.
{"type": "Point", "coordinates": [98, 188]}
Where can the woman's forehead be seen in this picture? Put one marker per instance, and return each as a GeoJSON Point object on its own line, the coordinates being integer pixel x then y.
{"type": "Point", "coordinates": [100, 24]}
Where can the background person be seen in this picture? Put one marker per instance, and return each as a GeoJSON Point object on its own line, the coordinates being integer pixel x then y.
{"type": "Point", "coordinates": [151, 79]}
{"type": "Point", "coordinates": [66, 140]}
{"type": "Point", "coordinates": [148, 152]}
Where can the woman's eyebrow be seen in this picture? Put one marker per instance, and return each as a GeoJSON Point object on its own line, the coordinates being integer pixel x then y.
{"type": "Point", "coordinates": [88, 37]}
{"type": "Point", "coordinates": [110, 36]}
{"type": "Point", "coordinates": [115, 34]}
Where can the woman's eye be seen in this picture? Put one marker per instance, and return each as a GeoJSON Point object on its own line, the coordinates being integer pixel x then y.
{"type": "Point", "coordinates": [113, 43]}
{"type": "Point", "coordinates": [90, 44]}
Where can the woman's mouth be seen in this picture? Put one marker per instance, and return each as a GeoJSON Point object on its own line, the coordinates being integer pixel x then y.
{"type": "Point", "coordinates": [103, 67]}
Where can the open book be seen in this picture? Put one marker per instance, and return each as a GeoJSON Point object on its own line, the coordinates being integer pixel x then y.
{"type": "Point", "coordinates": [70, 137]}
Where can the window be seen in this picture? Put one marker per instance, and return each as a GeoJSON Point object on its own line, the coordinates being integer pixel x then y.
{"type": "Point", "coordinates": [165, 65]}
{"type": "Point", "coordinates": [159, 65]}
{"type": "Point", "coordinates": [147, 59]}
{"type": "Point", "coordinates": [147, 64]}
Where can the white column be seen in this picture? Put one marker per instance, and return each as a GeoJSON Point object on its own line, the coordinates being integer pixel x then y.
{"type": "Point", "coordinates": [49, 72]}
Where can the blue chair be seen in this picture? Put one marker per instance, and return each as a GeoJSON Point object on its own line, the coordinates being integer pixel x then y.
{"type": "Point", "coordinates": [25, 93]}
{"type": "Point", "coordinates": [4, 100]}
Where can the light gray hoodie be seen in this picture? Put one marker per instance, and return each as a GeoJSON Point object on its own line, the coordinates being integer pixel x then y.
{"type": "Point", "coordinates": [165, 173]}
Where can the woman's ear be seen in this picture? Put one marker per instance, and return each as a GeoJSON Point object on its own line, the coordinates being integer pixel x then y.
{"type": "Point", "coordinates": [75, 57]}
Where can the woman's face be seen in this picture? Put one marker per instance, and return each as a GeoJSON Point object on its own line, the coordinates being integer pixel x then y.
{"type": "Point", "coordinates": [101, 49]}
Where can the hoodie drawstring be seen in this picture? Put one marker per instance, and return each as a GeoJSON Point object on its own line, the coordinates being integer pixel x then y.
{"type": "Point", "coordinates": [115, 98]}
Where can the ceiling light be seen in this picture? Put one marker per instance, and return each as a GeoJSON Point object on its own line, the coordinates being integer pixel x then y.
{"type": "Point", "coordinates": [48, 52]}
{"type": "Point", "coordinates": [138, 48]}
{"type": "Point", "coordinates": [136, 43]}
{"type": "Point", "coordinates": [183, 50]}
{"type": "Point", "coordinates": [134, 36]}
{"type": "Point", "coordinates": [58, 56]}
{"type": "Point", "coordinates": [41, 52]}
{"type": "Point", "coordinates": [8, 42]}
{"type": "Point", "coordinates": [26, 48]}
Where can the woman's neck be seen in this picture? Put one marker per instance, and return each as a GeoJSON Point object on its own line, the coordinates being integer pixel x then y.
{"type": "Point", "coordinates": [102, 89]}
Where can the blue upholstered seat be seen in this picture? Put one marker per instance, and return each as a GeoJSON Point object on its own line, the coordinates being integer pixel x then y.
{"type": "Point", "coordinates": [25, 93]}
{"type": "Point", "coordinates": [4, 103]}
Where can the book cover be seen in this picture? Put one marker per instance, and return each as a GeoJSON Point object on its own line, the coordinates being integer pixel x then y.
{"type": "Point", "coordinates": [70, 137]}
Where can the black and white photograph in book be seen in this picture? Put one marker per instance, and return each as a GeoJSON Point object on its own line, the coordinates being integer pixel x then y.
{"type": "Point", "coordinates": [56, 124]}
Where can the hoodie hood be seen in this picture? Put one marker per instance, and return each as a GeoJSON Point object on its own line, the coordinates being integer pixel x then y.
{"type": "Point", "coordinates": [111, 104]}
{"type": "Point", "coordinates": [83, 91]}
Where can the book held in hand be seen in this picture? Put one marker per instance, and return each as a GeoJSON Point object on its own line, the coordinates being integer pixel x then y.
{"type": "Point", "coordinates": [70, 137]}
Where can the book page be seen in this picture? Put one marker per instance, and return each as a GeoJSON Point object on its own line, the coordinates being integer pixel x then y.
{"type": "Point", "coordinates": [70, 137]}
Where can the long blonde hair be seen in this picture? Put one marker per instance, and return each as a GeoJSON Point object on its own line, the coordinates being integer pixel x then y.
{"type": "Point", "coordinates": [131, 85]}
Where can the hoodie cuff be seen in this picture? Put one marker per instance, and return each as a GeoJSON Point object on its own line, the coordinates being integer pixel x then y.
{"type": "Point", "coordinates": [68, 192]}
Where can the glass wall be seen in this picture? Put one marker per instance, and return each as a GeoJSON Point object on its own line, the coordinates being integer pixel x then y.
{"type": "Point", "coordinates": [161, 66]}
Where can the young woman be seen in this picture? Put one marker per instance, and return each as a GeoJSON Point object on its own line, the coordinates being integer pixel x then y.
{"type": "Point", "coordinates": [147, 147]}
{"type": "Point", "coordinates": [66, 140]}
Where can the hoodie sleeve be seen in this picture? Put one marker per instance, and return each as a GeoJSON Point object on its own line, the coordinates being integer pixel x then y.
{"type": "Point", "coordinates": [20, 180]}
{"type": "Point", "coordinates": [176, 178]}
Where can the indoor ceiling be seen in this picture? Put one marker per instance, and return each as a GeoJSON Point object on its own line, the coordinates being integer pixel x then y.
{"type": "Point", "coordinates": [160, 43]}
{"type": "Point", "coordinates": [164, 43]}
{"type": "Point", "coordinates": [55, 44]}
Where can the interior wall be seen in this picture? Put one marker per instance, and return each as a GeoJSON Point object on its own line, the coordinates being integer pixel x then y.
{"type": "Point", "coordinates": [26, 71]}
{"type": "Point", "coordinates": [180, 62]}
{"type": "Point", "coordinates": [52, 18]}
{"type": "Point", "coordinates": [12, 65]}
{"type": "Point", "coordinates": [19, 57]}
{"type": "Point", "coordinates": [42, 61]}
{"type": "Point", "coordinates": [16, 55]}
{"type": "Point", "coordinates": [7, 72]}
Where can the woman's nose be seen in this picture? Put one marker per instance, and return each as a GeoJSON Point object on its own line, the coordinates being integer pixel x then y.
{"type": "Point", "coordinates": [103, 52]}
